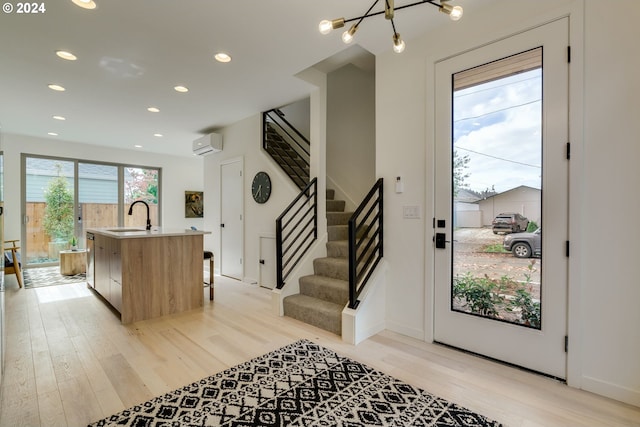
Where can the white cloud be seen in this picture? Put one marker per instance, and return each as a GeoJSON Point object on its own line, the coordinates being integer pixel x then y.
{"type": "Point", "coordinates": [498, 125]}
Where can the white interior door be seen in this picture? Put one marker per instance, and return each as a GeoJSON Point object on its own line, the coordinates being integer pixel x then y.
{"type": "Point", "coordinates": [231, 220]}
{"type": "Point", "coordinates": [501, 134]}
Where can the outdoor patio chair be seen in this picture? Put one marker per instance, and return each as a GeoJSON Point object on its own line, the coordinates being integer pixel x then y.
{"type": "Point", "coordinates": [12, 260]}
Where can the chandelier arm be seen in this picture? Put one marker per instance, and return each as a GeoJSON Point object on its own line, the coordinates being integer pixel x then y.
{"type": "Point", "coordinates": [393, 26]}
{"type": "Point", "coordinates": [369, 15]}
{"type": "Point", "coordinates": [366, 15]}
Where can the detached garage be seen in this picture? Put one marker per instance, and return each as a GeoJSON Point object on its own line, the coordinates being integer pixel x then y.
{"type": "Point", "coordinates": [523, 200]}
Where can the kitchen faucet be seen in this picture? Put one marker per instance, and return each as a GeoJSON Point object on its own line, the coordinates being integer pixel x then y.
{"type": "Point", "coordinates": [147, 205]}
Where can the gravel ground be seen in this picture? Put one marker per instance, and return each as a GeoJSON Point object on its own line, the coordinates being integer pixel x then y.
{"type": "Point", "coordinates": [468, 246]}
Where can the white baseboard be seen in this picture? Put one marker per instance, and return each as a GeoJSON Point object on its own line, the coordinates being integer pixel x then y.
{"type": "Point", "coordinates": [405, 330]}
{"type": "Point", "coordinates": [611, 390]}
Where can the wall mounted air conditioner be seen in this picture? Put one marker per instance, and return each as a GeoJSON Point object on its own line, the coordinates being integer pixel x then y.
{"type": "Point", "coordinates": [208, 144]}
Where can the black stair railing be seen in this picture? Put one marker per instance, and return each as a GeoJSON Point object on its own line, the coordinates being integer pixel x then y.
{"type": "Point", "coordinates": [365, 241]}
{"type": "Point", "coordinates": [296, 230]}
{"type": "Point", "coordinates": [288, 147]}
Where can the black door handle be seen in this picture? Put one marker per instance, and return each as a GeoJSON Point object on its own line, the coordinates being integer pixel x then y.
{"type": "Point", "coordinates": [222, 225]}
{"type": "Point", "coordinates": [441, 240]}
{"type": "Point", "coordinates": [262, 261]}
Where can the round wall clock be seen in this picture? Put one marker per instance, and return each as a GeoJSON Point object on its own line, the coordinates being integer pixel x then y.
{"type": "Point", "coordinates": [261, 187]}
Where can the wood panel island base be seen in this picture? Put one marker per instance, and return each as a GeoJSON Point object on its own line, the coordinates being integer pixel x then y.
{"type": "Point", "coordinates": [147, 274]}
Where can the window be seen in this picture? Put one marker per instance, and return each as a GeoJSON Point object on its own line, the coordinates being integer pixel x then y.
{"type": "Point", "coordinates": [64, 197]}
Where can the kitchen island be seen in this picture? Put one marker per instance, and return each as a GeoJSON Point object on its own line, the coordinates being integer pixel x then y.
{"type": "Point", "coordinates": [146, 273]}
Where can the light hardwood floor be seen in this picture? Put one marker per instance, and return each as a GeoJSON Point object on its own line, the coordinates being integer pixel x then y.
{"type": "Point", "coordinates": [70, 362]}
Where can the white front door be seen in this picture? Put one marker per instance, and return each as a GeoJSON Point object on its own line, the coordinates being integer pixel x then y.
{"type": "Point", "coordinates": [231, 220]}
{"type": "Point", "coordinates": [501, 154]}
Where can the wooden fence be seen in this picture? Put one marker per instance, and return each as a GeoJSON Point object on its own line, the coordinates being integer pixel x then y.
{"type": "Point", "coordinates": [94, 215]}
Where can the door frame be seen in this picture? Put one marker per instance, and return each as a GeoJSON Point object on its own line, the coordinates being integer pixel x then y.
{"type": "Point", "coordinates": [575, 13]}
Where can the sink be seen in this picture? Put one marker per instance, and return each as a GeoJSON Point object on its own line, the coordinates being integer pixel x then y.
{"type": "Point", "coordinates": [124, 230]}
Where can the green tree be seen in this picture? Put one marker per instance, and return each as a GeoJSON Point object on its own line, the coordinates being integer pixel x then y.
{"type": "Point", "coordinates": [141, 184]}
{"type": "Point", "coordinates": [58, 212]}
{"type": "Point", "coordinates": [460, 165]}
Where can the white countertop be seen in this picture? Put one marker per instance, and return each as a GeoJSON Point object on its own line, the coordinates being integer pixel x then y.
{"type": "Point", "coordinates": [140, 232]}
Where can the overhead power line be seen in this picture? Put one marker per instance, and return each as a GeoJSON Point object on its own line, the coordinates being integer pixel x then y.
{"type": "Point", "coordinates": [499, 158]}
{"type": "Point", "coordinates": [497, 111]}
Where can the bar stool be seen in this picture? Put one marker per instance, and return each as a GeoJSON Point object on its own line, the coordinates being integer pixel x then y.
{"type": "Point", "coordinates": [209, 256]}
{"type": "Point", "coordinates": [12, 265]}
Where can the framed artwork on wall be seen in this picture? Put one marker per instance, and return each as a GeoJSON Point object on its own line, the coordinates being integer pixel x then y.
{"type": "Point", "coordinates": [193, 204]}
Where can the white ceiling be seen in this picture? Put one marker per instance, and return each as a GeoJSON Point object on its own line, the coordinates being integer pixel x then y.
{"type": "Point", "coordinates": [131, 53]}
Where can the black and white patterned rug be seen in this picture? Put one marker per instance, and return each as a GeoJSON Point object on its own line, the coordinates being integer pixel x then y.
{"type": "Point", "coordinates": [48, 276]}
{"type": "Point", "coordinates": [302, 384]}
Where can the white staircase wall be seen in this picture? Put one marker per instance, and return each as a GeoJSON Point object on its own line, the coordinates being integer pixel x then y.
{"type": "Point", "coordinates": [369, 317]}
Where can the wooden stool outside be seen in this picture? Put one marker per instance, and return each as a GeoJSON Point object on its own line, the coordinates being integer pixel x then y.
{"type": "Point", "coordinates": [73, 262]}
{"type": "Point", "coordinates": [12, 266]}
{"type": "Point", "coordinates": [209, 255]}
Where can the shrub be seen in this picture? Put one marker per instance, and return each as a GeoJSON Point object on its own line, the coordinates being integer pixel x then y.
{"type": "Point", "coordinates": [480, 294]}
{"type": "Point", "coordinates": [530, 314]}
{"type": "Point", "coordinates": [488, 297]}
{"type": "Point", "coordinates": [58, 213]}
{"type": "Point", "coordinates": [529, 309]}
{"type": "Point", "coordinates": [495, 248]}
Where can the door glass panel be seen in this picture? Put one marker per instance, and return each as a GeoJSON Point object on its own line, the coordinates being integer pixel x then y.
{"type": "Point", "coordinates": [49, 208]}
{"type": "Point", "coordinates": [97, 197]}
{"type": "Point", "coordinates": [140, 184]}
{"type": "Point", "coordinates": [497, 190]}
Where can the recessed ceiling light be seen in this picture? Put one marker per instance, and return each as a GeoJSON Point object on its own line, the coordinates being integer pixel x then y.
{"type": "Point", "coordinates": [222, 57]}
{"type": "Point", "coordinates": [153, 109]}
{"type": "Point", "coordinates": [138, 146]}
{"type": "Point", "coordinates": [52, 133]}
{"type": "Point", "coordinates": [56, 87]}
{"type": "Point", "coordinates": [85, 4]}
{"type": "Point", "coordinates": [182, 89]}
{"type": "Point", "coordinates": [66, 55]}
{"type": "Point", "coordinates": [159, 135]}
{"type": "Point", "coordinates": [59, 117]}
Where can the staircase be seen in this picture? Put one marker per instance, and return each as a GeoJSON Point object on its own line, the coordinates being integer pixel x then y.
{"type": "Point", "coordinates": [285, 156]}
{"type": "Point", "coordinates": [324, 294]}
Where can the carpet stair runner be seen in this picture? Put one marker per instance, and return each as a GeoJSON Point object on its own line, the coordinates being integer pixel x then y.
{"type": "Point", "coordinates": [324, 294]}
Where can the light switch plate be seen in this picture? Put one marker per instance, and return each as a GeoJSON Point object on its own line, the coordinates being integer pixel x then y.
{"type": "Point", "coordinates": [411, 212]}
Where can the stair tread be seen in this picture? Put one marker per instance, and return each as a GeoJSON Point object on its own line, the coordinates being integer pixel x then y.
{"type": "Point", "coordinates": [322, 314]}
{"type": "Point", "coordinates": [332, 281]}
{"type": "Point", "coordinates": [338, 217]}
{"type": "Point", "coordinates": [338, 248]}
{"type": "Point", "coordinates": [337, 268]}
{"type": "Point", "coordinates": [325, 288]}
{"type": "Point", "coordinates": [316, 303]}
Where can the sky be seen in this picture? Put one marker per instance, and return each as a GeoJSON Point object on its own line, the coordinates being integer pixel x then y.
{"type": "Point", "coordinates": [498, 125]}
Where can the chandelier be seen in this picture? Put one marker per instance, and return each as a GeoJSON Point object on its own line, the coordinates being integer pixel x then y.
{"type": "Point", "coordinates": [325, 27]}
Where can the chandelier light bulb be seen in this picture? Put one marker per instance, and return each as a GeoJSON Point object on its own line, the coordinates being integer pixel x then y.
{"type": "Point", "coordinates": [347, 36]}
{"type": "Point", "coordinates": [456, 13]}
{"type": "Point", "coordinates": [398, 43]}
{"type": "Point", "coordinates": [325, 27]}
